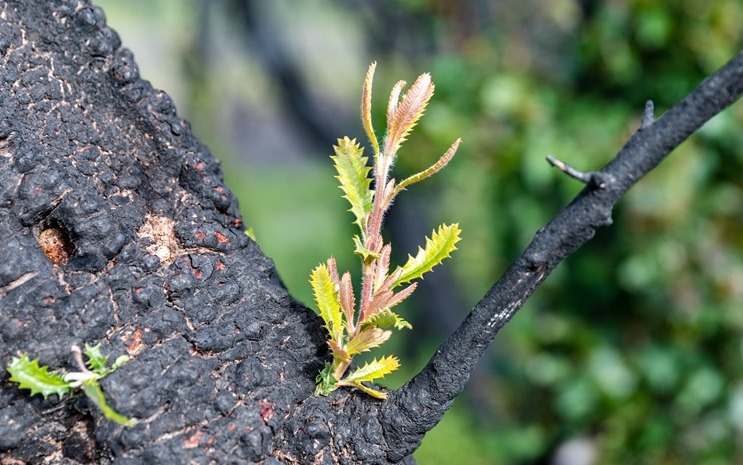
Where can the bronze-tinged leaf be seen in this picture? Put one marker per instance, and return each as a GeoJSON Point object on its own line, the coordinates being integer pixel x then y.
{"type": "Point", "coordinates": [339, 353]}
{"type": "Point", "coordinates": [333, 269]}
{"type": "Point", "coordinates": [347, 300]}
{"type": "Point", "coordinates": [394, 99]}
{"type": "Point", "coordinates": [400, 296]}
{"type": "Point", "coordinates": [408, 112]}
{"type": "Point", "coordinates": [383, 266]}
{"type": "Point", "coordinates": [366, 340]}
{"type": "Point", "coordinates": [366, 102]}
{"type": "Point", "coordinates": [442, 162]}
{"type": "Point", "coordinates": [380, 301]}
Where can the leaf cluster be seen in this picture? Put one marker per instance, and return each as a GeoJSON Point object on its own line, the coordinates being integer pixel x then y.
{"type": "Point", "coordinates": [358, 324]}
{"type": "Point", "coordinates": [28, 374]}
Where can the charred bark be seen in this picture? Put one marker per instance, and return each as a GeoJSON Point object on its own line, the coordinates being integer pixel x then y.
{"type": "Point", "coordinates": [117, 229]}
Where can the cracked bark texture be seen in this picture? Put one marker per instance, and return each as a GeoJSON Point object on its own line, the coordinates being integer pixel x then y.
{"type": "Point", "coordinates": [118, 229]}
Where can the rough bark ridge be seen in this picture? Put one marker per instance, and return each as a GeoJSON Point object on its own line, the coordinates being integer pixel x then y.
{"type": "Point", "coordinates": [117, 228]}
{"type": "Point", "coordinates": [147, 256]}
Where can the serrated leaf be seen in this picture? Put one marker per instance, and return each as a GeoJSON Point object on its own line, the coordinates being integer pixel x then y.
{"type": "Point", "coordinates": [383, 266]}
{"type": "Point", "coordinates": [326, 382]}
{"type": "Point", "coordinates": [347, 300]}
{"type": "Point", "coordinates": [406, 114]}
{"type": "Point", "coordinates": [29, 375]}
{"type": "Point", "coordinates": [353, 176]}
{"type": "Point", "coordinates": [374, 370]}
{"type": "Point", "coordinates": [394, 99]}
{"type": "Point", "coordinates": [438, 247]}
{"type": "Point", "coordinates": [96, 360]}
{"type": "Point", "coordinates": [326, 298]}
{"type": "Point", "coordinates": [367, 339]}
{"type": "Point", "coordinates": [94, 392]}
{"type": "Point", "coordinates": [387, 319]}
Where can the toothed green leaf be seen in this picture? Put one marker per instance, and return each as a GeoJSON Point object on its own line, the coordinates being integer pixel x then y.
{"type": "Point", "coordinates": [96, 360]}
{"type": "Point", "coordinates": [366, 340]}
{"type": "Point", "coordinates": [353, 176]}
{"type": "Point", "coordinates": [95, 394]}
{"type": "Point", "coordinates": [29, 375]}
{"type": "Point", "coordinates": [326, 298]}
{"type": "Point", "coordinates": [326, 382]}
{"type": "Point", "coordinates": [373, 370]}
{"type": "Point", "coordinates": [387, 319]}
{"type": "Point", "coordinates": [438, 247]}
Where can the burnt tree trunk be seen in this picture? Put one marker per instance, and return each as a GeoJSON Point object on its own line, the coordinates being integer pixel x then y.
{"type": "Point", "coordinates": [117, 229]}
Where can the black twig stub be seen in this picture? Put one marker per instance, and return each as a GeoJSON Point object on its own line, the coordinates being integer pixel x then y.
{"type": "Point", "coordinates": [593, 179]}
{"type": "Point", "coordinates": [648, 115]}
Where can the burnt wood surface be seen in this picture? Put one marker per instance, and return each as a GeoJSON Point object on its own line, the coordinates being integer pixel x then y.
{"type": "Point", "coordinates": [117, 228]}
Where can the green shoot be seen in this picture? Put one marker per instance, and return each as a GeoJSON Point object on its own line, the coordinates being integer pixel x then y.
{"type": "Point", "coordinates": [28, 374]}
{"type": "Point", "coordinates": [357, 325]}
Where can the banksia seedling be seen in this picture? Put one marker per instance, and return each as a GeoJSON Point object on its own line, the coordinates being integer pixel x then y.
{"type": "Point", "coordinates": [28, 374]}
{"type": "Point", "coordinates": [359, 324]}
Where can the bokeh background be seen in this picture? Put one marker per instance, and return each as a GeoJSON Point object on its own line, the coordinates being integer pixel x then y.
{"type": "Point", "coordinates": [631, 353]}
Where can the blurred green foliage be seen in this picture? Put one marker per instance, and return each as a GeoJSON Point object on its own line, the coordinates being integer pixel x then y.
{"type": "Point", "coordinates": [635, 342]}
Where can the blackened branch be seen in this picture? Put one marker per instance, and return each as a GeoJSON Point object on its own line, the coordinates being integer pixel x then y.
{"type": "Point", "coordinates": [419, 405]}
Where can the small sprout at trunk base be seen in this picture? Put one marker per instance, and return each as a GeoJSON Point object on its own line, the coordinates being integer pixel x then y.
{"type": "Point", "coordinates": [28, 374]}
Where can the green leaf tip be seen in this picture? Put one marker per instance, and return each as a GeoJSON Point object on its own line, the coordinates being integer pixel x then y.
{"type": "Point", "coordinates": [438, 247]}
{"type": "Point", "coordinates": [326, 298]}
{"type": "Point", "coordinates": [353, 175]}
{"type": "Point", "coordinates": [29, 375]}
{"type": "Point", "coordinates": [326, 382]}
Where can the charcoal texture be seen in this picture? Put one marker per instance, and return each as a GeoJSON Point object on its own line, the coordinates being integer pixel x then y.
{"type": "Point", "coordinates": [117, 228]}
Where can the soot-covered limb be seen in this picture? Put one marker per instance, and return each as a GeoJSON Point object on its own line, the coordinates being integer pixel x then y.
{"type": "Point", "coordinates": [415, 408]}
